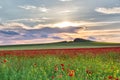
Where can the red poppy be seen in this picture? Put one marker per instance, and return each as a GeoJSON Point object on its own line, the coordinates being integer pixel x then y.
{"type": "Point", "coordinates": [71, 73]}
{"type": "Point", "coordinates": [4, 60]}
{"type": "Point", "coordinates": [53, 77]}
{"type": "Point", "coordinates": [62, 65]}
{"type": "Point", "coordinates": [110, 77]}
{"type": "Point", "coordinates": [63, 69]}
{"type": "Point", "coordinates": [56, 68]}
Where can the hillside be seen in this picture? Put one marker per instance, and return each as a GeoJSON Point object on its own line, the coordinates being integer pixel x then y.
{"type": "Point", "coordinates": [57, 45]}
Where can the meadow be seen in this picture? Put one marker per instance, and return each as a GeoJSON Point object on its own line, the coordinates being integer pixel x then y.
{"type": "Point", "coordinates": [99, 64]}
{"type": "Point", "coordinates": [59, 45]}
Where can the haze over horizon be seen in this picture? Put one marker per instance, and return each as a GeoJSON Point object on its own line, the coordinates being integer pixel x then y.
{"type": "Point", "coordinates": [45, 21]}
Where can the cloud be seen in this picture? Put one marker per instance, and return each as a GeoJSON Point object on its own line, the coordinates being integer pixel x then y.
{"type": "Point", "coordinates": [19, 32]}
{"type": "Point", "coordinates": [65, 0]}
{"type": "Point", "coordinates": [28, 7]}
{"type": "Point", "coordinates": [19, 23]}
{"type": "Point", "coordinates": [43, 9]}
{"type": "Point", "coordinates": [106, 38]}
{"type": "Point", "coordinates": [46, 35]}
{"type": "Point", "coordinates": [14, 25]}
{"type": "Point", "coordinates": [112, 35]}
{"type": "Point", "coordinates": [12, 33]}
{"type": "Point", "coordinates": [16, 32]}
{"type": "Point", "coordinates": [114, 10]}
{"type": "Point", "coordinates": [28, 20]}
{"type": "Point", "coordinates": [31, 7]}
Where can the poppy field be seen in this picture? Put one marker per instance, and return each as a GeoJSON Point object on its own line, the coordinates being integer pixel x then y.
{"type": "Point", "coordinates": [61, 64]}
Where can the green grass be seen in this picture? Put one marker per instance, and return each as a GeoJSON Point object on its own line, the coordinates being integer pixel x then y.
{"type": "Point", "coordinates": [59, 45]}
{"type": "Point", "coordinates": [99, 67]}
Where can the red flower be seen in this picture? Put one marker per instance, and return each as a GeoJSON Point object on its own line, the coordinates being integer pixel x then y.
{"type": "Point", "coordinates": [71, 73]}
{"type": "Point", "coordinates": [4, 60]}
{"type": "Point", "coordinates": [53, 77]}
{"type": "Point", "coordinates": [116, 79]}
{"type": "Point", "coordinates": [63, 69]}
{"type": "Point", "coordinates": [56, 68]}
{"type": "Point", "coordinates": [110, 77]}
{"type": "Point", "coordinates": [62, 65]}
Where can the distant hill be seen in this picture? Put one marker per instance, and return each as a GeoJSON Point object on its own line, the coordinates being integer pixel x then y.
{"type": "Point", "coordinates": [76, 43]}
{"type": "Point", "coordinates": [81, 40]}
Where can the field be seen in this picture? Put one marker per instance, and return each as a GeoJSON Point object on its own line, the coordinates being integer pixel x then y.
{"type": "Point", "coordinates": [61, 64]}
{"type": "Point", "coordinates": [59, 45]}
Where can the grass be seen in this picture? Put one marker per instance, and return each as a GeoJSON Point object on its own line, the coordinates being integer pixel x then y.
{"type": "Point", "coordinates": [62, 67]}
{"type": "Point", "coordinates": [59, 45]}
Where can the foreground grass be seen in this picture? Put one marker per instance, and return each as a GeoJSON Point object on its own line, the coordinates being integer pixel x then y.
{"type": "Point", "coordinates": [63, 67]}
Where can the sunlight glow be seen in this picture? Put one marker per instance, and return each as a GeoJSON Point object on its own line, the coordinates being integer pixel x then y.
{"type": "Point", "coordinates": [65, 24]}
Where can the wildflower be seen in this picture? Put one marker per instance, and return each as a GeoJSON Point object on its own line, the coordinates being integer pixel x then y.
{"type": "Point", "coordinates": [116, 79]}
{"type": "Point", "coordinates": [110, 77]}
{"type": "Point", "coordinates": [63, 69]}
{"type": "Point", "coordinates": [62, 65]}
{"type": "Point", "coordinates": [56, 68]}
{"type": "Point", "coordinates": [71, 73]}
{"type": "Point", "coordinates": [53, 77]}
{"type": "Point", "coordinates": [4, 60]}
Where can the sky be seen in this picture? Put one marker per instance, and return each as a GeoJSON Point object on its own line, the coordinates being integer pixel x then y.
{"type": "Point", "coordinates": [46, 21]}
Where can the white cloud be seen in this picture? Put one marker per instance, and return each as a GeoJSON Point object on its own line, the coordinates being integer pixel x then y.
{"type": "Point", "coordinates": [43, 9]}
{"type": "Point", "coordinates": [28, 7]}
{"type": "Point", "coordinates": [114, 10]}
{"type": "Point", "coordinates": [45, 18]}
{"type": "Point", "coordinates": [14, 25]}
{"type": "Point", "coordinates": [28, 20]}
{"type": "Point", "coordinates": [31, 7]}
{"type": "Point", "coordinates": [65, 0]}
{"type": "Point", "coordinates": [18, 23]}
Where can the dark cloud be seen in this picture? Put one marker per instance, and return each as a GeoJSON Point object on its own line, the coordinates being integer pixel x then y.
{"type": "Point", "coordinates": [44, 36]}
{"type": "Point", "coordinates": [56, 37]}
{"type": "Point", "coordinates": [9, 32]}
{"type": "Point", "coordinates": [46, 32]}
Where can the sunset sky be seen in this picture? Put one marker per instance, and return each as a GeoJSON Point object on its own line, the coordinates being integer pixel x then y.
{"type": "Point", "coordinates": [44, 21]}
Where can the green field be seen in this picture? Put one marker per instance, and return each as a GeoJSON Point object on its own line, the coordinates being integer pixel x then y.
{"type": "Point", "coordinates": [58, 45]}
{"type": "Point", "coordinates": [83, 67]}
